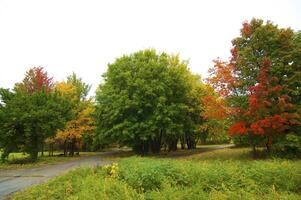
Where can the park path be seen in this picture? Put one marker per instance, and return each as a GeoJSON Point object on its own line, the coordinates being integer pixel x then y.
{"type": "Point", "coordinates": [15, 180]}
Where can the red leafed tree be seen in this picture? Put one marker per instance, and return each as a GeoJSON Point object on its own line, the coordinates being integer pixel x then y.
{"type": "Point", "coordinates": [269, 112]}
{"type": "Point", "coordinates": [239, 128]}
{"type": "Point", "coordinates": [36, 80]}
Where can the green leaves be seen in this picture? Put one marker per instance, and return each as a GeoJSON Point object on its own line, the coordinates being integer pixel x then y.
{"type": "Point", "coordinates": [28, 117]}
{"type": "Point", "coordinates": [145, 98]}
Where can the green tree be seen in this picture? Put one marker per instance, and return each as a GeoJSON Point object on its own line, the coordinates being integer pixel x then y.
{"type": "Point", "coordinates": [28, 117]}
{"type": "Point", "coordinates": [143, 101]}
{"type": "Point", "coordinates": [82, 88]}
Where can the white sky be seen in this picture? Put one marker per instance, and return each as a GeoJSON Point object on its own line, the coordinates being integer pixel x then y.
{"type": "Point", "coordinates": [83, 36]}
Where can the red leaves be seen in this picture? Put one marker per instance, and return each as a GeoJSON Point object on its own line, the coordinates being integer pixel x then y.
{"type": "Point", "coordinates": [253, 103]}
{"type": "Point", "coordinates": [269, 125]}
{"type": "Point", "coordinates": [239, 128]}
{"type": "Point", "coordinates": [268, 110]}
{"type": "Point", "coordinates": [36, 79]}
{"type": "Point", "coordinates": [41, 80]}
{"type": "Point", "coordinates": [246, 30]}
{"type": "Point", "coordinates": [257, 129]}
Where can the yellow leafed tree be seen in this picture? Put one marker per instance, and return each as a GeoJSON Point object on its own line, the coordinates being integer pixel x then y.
{"type": "Point", "coordinates": [81, 123]}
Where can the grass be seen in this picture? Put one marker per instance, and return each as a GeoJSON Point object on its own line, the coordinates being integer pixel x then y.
{"type": "Point", "coordinates": [220, 174]}
{"type": "Point", "coordinates": [21, 160]}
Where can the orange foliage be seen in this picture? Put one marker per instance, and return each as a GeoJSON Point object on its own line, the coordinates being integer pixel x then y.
{"type": "Point", "coordinates": [214, 108]}
{"type": "Point", "coordinates": [222, 78]}
{"type": "Point", "coordinates": [75, 129]}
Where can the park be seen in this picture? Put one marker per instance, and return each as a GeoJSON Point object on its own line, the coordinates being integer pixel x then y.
{"type": "Point", "coordinates": [153, 129]}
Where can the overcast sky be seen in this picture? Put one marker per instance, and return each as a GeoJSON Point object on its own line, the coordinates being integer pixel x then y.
{"type": "Point", "coordinates": [84, 36]}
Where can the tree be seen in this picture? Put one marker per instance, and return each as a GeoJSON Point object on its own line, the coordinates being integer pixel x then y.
{"type": "Point", "coordinates": [82, 121]}
{"type": "Point", "coordinates": [31, 113]}
{"type": "Point", "coordinates": [76, 128]}
{"type": "Point", "coordinates": [143, 101]}
{"type": "Point", "coordinates": [269, 113]}
{"type": "Point", "coordinates": [215, 114]}
{"type": "Point", "coordinates": [82, 88]}
{"type": "Point", "coordinates": [240, 80]}
{"type": "Point", "coordinates": [35, 80]}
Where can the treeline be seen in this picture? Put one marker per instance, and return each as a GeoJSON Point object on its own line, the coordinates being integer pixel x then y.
{"type": "Point", "coordinates": [42, 114]}
{"type": "Point", "coordinates": [151, 101]}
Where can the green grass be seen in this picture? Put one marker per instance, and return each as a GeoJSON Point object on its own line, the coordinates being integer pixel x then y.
{"type": "Point", "coordinates": [220, 174]}
{"type": "Point", "coordinates": [21, 160]}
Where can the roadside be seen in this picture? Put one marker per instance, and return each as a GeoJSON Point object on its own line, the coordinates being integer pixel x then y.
{"type": "Point", "coordinates": [20, 161]}
{"type": "Point", "coordinates": [14, 180]}
{"type": "Point", "coordinates": [18, 179]}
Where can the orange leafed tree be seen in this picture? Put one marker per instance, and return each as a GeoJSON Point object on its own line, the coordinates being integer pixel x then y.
{"type": "Point", "coordinates": [82, 124]}
{"type": "Point", "coordinates": [214, 108]}
{"type": "Point", "coordinates": [214, 114]}
{"type": "Point", "coordinates": [222, 78]}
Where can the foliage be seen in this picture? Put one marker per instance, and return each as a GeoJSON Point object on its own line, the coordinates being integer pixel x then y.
{"type": "Point", "coordinates": [82, 121]}
{"type": "Point", "coordinates": [147, 99]}
{"type": "Point", "coordinates": [30, 114]}
{"type": "Point", "coordinates": [260, 84]}
{"type": "Point", "coordinates": [215, 117]}
{"type": "Point", "coordinates": [82, 88]}
{"type": "Point", "coordinates": [35, 80]}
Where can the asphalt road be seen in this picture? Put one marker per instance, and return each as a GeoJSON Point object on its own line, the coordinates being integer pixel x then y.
{"type": "Point", "coordinates": [14, 180]}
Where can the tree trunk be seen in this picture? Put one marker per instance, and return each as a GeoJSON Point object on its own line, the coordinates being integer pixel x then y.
{"type": "Point", "coordinates": [78, 147]}
{"type": "Point", "coordinates": [34, 151]}
{"type": "Point", "coordinates": [269, 144]}
{"type": "Point", "coordinates": [141, 147]}
{"type": "Point", "coordinates": [65, 148]}
{"type": "Point", "coordinates": [52, 147]}
{"type": "Point", "coordinates": [155, 143]}
{"type": "Point", "coordinates": [72, 147]}
{"type": "Point", "coordinates": [42, 149]}
{"type": "Point", "coordinates": [183, 142]}
{"type": "Point", "coordinates": [172, 145]}
{"type": "Point", "coordinates": [191, 142]}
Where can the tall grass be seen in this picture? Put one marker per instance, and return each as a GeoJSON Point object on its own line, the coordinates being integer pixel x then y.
{"type": "Point", "coordinates": [150, 178]}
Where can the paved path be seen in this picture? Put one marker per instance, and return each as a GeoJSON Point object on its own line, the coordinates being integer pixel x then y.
{"type": "Point", "coordinates": [15, 180]}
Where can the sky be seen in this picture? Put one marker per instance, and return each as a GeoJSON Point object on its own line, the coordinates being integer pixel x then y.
{"type": "Point", "coordinates": [66, 36]}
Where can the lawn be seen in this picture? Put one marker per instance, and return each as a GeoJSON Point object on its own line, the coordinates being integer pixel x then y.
{"type": "Point", "coordinates": [220, 174]}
